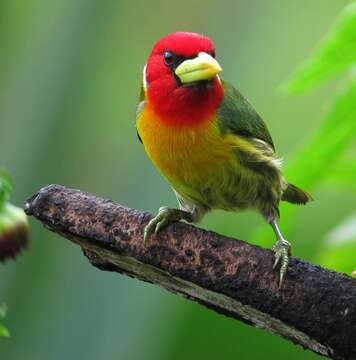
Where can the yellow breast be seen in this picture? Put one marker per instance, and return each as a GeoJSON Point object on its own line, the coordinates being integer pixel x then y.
{"type": "Point", "coordinates": [185, 156]}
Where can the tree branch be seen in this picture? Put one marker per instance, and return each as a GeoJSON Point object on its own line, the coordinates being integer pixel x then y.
{"type": "Point", "coordinates": [316, 308]}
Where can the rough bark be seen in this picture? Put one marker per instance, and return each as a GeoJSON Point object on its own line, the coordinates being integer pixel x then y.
{"type": "Point", "coordinates": [316, 308]}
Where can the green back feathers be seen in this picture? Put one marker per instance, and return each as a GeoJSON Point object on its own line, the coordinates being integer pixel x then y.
{"type": "Point", "coordinates": [236, 115]}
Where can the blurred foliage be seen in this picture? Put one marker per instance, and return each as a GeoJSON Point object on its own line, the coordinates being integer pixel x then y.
{"type": "Point", "coordinates": [335, 53]}
{"type": "Point", "coordinates": [314, 162]}
{"type": "Point", "coordinates": [3, 331]}
{"type": "Point", "coordinates": [13, 232]}
{"type": "Point", "coordinates": [5, 187]}
{"type": "Point", "coordinates": [339, 246]}
{"type": "Point", "coordinates": [69, 81]}
{"type": "Point", "coordinates": [13, 222]}
{"type": "Point", "coordinates": [324, 156]}
{"type": "Point", "coordinates": [343, 174]}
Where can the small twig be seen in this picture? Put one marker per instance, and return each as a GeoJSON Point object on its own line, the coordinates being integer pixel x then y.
{"type": "Point", "coordinates": [316, 308]}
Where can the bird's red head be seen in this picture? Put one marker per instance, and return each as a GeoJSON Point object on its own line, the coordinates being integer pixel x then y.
{"type": "Point", "coordinates": [181, 79]}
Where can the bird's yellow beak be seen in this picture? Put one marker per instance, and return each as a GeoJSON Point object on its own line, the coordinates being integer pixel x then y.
{"type": "Point", "coordinates": [203, 67]}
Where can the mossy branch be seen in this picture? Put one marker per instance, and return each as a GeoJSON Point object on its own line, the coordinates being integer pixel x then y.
{"type": "Point", "coordinates": [316, 308]}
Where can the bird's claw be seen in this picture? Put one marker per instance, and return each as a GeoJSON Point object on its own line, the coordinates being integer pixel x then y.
{"type": "Point", "coordinates": [164, 216]}
{"type": "Point", "coordinates": [282, 251]}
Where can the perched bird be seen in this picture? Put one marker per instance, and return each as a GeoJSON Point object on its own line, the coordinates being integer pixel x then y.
{"type": "Point", "coordinates": [207, 140]}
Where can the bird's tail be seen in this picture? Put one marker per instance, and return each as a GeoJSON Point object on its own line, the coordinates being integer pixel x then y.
{"type": "Point", "coordinates": [295, 195]}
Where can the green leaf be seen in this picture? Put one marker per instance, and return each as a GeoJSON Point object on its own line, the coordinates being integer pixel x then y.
{"type": "Point", "coordinates": [5, 187]}
{"type": "Point", "coordinates": [335, 53]}
{"type": "Point", "coordinates": [3, 310]}
{"type": "Point", "coordinates": [4, 332]}
{"type": "Point", "coordinates": [313, 162]}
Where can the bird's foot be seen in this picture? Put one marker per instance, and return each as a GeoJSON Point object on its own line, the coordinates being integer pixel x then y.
{"type": "Point", "coordinates": [282, 250]}
{"type": "Point", "coordinates": [164, 216]}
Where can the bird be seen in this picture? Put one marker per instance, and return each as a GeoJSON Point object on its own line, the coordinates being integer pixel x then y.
{"type": "Point", "coordinates": [208, 141]}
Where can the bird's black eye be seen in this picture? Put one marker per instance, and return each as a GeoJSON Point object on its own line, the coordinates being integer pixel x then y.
{"type": "Point", "coordinates": [213, 53]}
{"type": "Point", "coordinates": [169, 58]}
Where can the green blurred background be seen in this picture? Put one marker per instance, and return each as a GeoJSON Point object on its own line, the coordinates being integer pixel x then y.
{"type": "Point", "coordinates": [70, 74]}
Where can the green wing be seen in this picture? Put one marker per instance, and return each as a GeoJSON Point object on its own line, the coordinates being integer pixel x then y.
{"type": "Point", "coordinates": [236, 115]}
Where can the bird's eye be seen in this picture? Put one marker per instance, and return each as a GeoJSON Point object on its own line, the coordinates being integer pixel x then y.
{"type": "Point", "coordinates": [169, 58]}
{"type": "Point", "coordinates": [213, 53]}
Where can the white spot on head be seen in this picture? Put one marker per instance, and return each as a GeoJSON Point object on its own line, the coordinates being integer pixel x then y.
{"type": "Point", "coordinates": [144, 80]}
